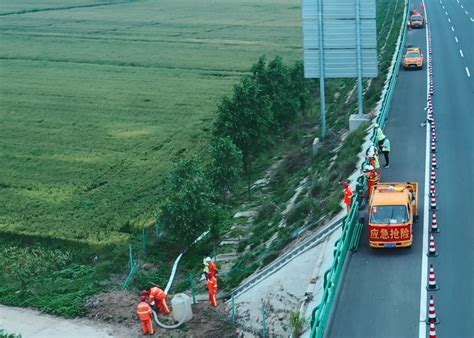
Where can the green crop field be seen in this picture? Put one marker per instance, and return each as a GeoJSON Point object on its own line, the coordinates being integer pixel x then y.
{"type": "Point", "coordinates": [99, 98]}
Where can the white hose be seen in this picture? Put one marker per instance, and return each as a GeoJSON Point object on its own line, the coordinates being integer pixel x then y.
{"type": "Point", "coordinates": [175, 326]}
{"type": "Point", "coordinates": [168, 286]}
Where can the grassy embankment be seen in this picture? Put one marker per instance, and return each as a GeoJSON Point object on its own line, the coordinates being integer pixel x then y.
{"type": "Point", "coordinates": [96, 105]}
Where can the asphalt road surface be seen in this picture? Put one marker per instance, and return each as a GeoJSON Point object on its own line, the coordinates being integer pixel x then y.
{"type": "Point", "coordinates": [380, 295]}
{"type": "Point", "coordinates": [453, 53]}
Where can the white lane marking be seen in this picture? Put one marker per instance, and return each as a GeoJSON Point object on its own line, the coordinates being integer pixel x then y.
{"type": "Point", "coordinates": [457, 1]}
{"type": "Point", "coordinates": [467, 13]}
{"type": "Point", "coordinates": [449, 20]}
{"type": "Point", "coordinates": [452, 28]}
{"type": "Point", "coordinates": [456, 38]}
{"type": "Point", "coordinates": [472, 20]}
{"type": "Point", "coordinates": [467, 72]}
{"type": "Point", "coordinates": [462, 6]}
{"type": "Point", "coordinates": [460, 52]}
{"type": "Point", "coordinates": [445, 12]}
{"type": "Point", "coordinates": [424, 249]}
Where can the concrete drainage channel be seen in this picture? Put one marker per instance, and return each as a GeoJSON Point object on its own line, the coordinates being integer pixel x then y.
{"type": "Point", "coordinates": [286, 258]}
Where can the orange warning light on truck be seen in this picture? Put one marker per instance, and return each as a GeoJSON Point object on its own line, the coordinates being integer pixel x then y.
{"type": "Point", "coordinates": [392, 213]}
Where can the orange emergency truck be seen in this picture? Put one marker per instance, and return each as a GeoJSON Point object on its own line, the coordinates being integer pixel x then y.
{"type": "Point", "coordinates": [392, 213]}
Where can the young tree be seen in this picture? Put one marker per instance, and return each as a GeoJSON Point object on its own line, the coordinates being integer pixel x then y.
{"type": "Point", "coordinates": [300, 87]}
{"type": "Point", "coordinates": [187, 208]}
{"type": "Point", "coordinates": [247, 120]}
{"type": "Point", "coordinates": [226, 164]}
{"type": "Point", "coordinates": [276, 82]}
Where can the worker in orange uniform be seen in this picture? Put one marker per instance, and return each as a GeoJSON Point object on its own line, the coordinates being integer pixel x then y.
{"type": "Point", "coordinates": [213, 267]}
{"type": "Point", "coordinates": [348, 194]}
{"type": "Point", "coordinates": [212, 287]}
{"type": "Point", "coordinates": [144, 313]}
{"type": "Point", "coordinates": [372, 178]}
{"type": "Point", "coordinates": [157, 299]}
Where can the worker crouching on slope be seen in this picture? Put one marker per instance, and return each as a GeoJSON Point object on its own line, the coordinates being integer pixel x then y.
{"type": "Point", "coordinates": [145, 315]}
{"type": "Point", "coordinates": [212, 287]}
{"type": "Point", "coordinates": [157, 299]}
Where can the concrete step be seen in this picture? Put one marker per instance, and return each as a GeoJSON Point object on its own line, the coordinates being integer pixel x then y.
{"type": "Point", "coordinates": [230, 241]}
{"type": "Point", "coordinates": [227, 257]}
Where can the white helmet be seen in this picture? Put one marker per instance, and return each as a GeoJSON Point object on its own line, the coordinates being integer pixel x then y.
{"type": "Point", "coordinates": [208, 259]}
{"type": "Point", "coordinates": [369, 167]}
{"type": "Point", "coordinates": [376, 125]}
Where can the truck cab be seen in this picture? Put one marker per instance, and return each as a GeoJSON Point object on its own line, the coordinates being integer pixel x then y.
{"type": "Point", "coordinates": [392, 213]}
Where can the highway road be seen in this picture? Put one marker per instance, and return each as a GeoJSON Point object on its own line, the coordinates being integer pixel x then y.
{"type": "Point", "coordinates": [453, 60]}
{"type": "Point", "coordinates": [383, 293]}
{"type": "Point", "coordinates": [380, 295]}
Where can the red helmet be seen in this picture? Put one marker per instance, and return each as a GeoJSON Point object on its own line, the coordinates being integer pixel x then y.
{"type": "Point", "coordinates": [345, 184]}
{"type": "Point", "coordinates": [144, 293]}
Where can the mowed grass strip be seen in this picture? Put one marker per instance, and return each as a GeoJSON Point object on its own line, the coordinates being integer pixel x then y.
{"type": "Point", "coordinates": [97, 103]}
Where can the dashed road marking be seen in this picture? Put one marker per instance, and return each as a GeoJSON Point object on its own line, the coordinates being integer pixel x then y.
{"type": "Point", "coordinates": [460, 52]}
{"type": "Point", "coordinates": [449, 20]}
{"type": "Point", "coordinates": [462, 6]}
{"type": "Point", "coordinates": [467, 13]}
{"type": "Point", "coordinates": [452, 28]}
{"type": "Point", "coordinates": [456, 38]}
{"type": "Point", "coordinates": [467, 72]}
{"type": "Point", "coordinates": [445, 12]}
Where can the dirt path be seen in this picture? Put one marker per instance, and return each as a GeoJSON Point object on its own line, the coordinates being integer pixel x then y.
{"type": "Point", "coordinates": [31, 323]}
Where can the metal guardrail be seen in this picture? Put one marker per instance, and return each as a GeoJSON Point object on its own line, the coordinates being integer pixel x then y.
{"type": "Point", "coordinates": [351, 228]}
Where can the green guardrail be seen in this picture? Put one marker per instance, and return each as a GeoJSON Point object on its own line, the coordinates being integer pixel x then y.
{"type": "Point", "coordinates": [351, 228]}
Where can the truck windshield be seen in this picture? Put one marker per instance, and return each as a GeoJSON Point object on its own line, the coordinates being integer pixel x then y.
{"type": "Point", "coordinates": [389, 214]}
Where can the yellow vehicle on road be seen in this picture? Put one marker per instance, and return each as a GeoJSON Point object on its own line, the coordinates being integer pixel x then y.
{"type": "Point", "coordinates": [413, 58]}
{"type": "Point", "coordinates": [392, 213]}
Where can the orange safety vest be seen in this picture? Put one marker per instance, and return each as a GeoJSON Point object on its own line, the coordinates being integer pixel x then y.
{"type": "Point", "coordinates": [156, 293]}
{"type": "Point", "coordinates": [213, 268]}
{"type": "Point", "coordinates": [372, 176]}
{"type": "Point", "coordinates": [348, 195]}
{"type": "Point", "coordinates": [144, 311]}
{"type": "Point", "coordinates": [212, 284]}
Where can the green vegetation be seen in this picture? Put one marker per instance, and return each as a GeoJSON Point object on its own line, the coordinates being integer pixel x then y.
{"type": "Point", "coordinates": [298, 323]}
{"type": "Point", "coordinates": [51, 280]}
{"type": "Point", "coordinates": [98, 100]}
{"type": "Point", "coordinates": [97, 103]}
{"type": "Point", "coordinates": [98, 109]}
{"type": "Point", "coordinates": [187, 208]}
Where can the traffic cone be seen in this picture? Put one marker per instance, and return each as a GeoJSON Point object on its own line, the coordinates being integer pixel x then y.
{"type": "Point", "coordinates": [432, 331]}
{"type": "Point", "coordinates": [432, 280]}
{"type": "Point", "coordinates": [433, 146]}
{"type": "Point", "coordinates": [433, 175]}
{"type": "Point", "coordinates": [434, 163]}
{"type": "Point", "coordinates": [434, 223]}
{"type": "Point", "coordinates": [432, 189]}
{"type": "Point", "coordinates": [433, 205]}
{"type": "Point", "coordinates": [432, 312]}
{"type": "Point", "coordinates": [432, 250]}
{"type": "Point", "coordinates": [433, 136]}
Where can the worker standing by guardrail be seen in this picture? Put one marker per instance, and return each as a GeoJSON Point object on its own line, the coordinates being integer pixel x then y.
{"type": "Point", "coordinates": [380, 136]}
{"type": "Point", "coordinates": [144, 313]}
{"type": "Point", "coordinates": [372, 178]}
{"type": "Point", "coordinates": [348, 194]}
{"type": "Point", "coordinates": [386, 151]}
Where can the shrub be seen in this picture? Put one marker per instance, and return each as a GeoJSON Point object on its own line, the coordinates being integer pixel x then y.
{"type": "Point", "coordinates": [300, 211]}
